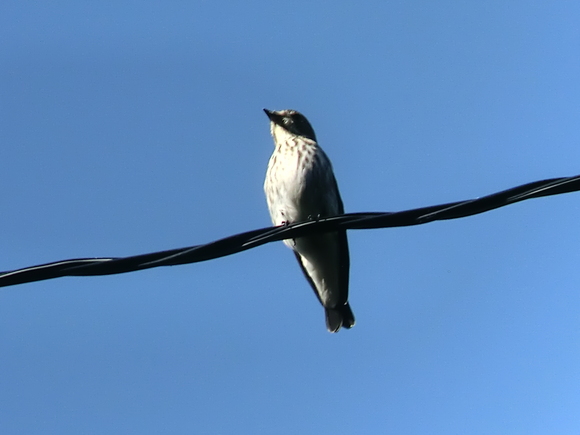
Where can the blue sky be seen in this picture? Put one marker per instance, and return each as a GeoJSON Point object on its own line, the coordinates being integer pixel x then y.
{"type": "Point", "coordinates": [131, 127]}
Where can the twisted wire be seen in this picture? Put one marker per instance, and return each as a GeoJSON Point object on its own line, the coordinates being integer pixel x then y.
{"type": "Point", "coordinates": [252, 239]}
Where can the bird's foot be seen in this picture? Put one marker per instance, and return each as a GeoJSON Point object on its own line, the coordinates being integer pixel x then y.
{"type": "Point", "coordinates": [285, 224]}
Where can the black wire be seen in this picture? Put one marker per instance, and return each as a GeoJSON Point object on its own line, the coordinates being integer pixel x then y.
{"type": "Point", "coordinates": [251, 239]}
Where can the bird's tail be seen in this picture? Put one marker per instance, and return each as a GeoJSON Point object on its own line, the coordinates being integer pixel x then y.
{"type": "Point", "coordinates": [339, 317]}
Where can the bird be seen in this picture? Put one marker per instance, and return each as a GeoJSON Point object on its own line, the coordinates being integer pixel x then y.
{"type": "Point", "coordinates": [300, 186]}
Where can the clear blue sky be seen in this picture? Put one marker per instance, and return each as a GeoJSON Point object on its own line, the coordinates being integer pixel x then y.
{"type": "Point", "coordinates": [131, 127]}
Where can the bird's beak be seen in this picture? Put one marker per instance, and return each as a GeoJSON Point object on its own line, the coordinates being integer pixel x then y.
{"type": "Point", "coordinates": [274, 116]}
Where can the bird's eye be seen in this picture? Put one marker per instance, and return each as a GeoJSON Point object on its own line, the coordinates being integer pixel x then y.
{"type": "Point", "coordinates": [287, 121]}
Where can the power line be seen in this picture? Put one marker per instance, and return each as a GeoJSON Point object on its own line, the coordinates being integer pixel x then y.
{"type": "Point", "coordinates": [252, 239]}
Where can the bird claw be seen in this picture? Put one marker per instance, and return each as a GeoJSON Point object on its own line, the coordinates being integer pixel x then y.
{"type": "Point", "coordinates": [285, 224]}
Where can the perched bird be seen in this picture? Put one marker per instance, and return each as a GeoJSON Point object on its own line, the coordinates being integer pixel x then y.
{"type": "Point", "coordinates": [299, 186]}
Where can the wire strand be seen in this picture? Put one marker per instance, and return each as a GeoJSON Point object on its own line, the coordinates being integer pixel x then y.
{"type": "Point", "coordinates": [252, 239]}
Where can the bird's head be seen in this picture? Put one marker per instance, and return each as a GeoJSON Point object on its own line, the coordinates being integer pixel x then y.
{"type": "Point", "coordinates": [291, 122]}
